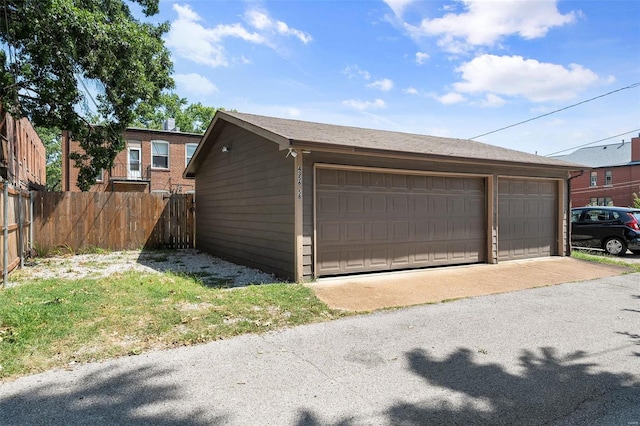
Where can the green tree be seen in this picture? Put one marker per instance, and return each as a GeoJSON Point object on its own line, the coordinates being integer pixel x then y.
{"type": "Point", "coordinates": [636, 201]}
{"type": "Point", "coordinates": [190, 118]}
{"type": "Point", "coordinates": [54, 50]}
{"type": "Point", "coordinates": [52, 140]}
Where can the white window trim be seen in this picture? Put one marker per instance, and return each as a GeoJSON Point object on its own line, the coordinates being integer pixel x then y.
{"type": "Point", "coordinates": [186, 159]}
{"type": "Point", "coordinates": [168, 154]}
{"type": "Point", "coordinates": [608, 174]}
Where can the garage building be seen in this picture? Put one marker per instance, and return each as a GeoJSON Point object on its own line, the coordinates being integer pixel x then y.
{"type": "Point", "coordinates": [304, 200]}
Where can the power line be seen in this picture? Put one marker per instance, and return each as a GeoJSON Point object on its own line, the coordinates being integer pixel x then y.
{"type": "Point", "coordinates": [591, 143]}
{"type": "Point", "coordinates": [631, 86]}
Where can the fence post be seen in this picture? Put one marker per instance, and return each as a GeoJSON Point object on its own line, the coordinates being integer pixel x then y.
{"type": "Point", "coordinates": [5, 233]}
{"type": "Point", "coordinates": [31, 219]}
{"type": "Point", "coordinates": [20, 230]}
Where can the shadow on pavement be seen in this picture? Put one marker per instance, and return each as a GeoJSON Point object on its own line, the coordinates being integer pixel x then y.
{"type": "Point", "coordinates": [549, 388]}
{"type": "Point", "coordinates": [104, 398]}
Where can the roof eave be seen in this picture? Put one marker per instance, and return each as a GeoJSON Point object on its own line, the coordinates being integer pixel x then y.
{"type": "Point", "coordinates": [317, 146]}
{"type": "Point", "coordinates": [223, 117]}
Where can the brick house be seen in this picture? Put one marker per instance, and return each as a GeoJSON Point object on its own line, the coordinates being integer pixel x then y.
{"type": "Point", "coordinates": [611, 175]}
{"type": "Point", "coordinates": [152, 161]}
{"type": "Point", "coordinates": [23, 157]}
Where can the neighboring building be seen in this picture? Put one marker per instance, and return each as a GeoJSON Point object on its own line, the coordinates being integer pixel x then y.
{"type": "Point", "coordinates": [152, 161]}
{"type": "Point", "coordinates": [305, 200]}
{"type": "Point", "coordinates": [23, 157]}
{"type": "Point", "coordinates": [610, 177]}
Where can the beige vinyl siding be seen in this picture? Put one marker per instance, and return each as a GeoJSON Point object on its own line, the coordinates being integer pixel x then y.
{"type": "Point", "coordinates": [244, 203]}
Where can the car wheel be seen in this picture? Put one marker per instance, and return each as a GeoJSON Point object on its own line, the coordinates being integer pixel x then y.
{"type": "Point", "coordinates": [615, 246]}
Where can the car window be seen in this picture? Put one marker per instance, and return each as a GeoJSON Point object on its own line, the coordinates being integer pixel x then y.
{"type": "Point", "coordinates": [615, 215]}
{"type": "Point", "coordinates": [596, 215]}
{"type": "Point", "coordinates": [575, 215]}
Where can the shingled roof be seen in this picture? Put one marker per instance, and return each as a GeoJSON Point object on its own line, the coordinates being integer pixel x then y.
{"type": "Point", "coordinates": [303, 134]}
{"type": "Point", "coordinates": [616, 154]}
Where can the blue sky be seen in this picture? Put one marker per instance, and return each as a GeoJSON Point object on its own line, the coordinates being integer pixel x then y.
{"type": "Point", "coordinates": [446, 68]}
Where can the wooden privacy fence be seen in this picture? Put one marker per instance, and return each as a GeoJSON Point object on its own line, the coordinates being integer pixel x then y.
{"type": "Point", "coordinates": [15, 216]}
{"type": "Point", "coordinates": [81, 221]}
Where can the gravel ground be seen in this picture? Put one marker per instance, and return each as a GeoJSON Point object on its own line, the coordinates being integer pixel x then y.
{"type": "Point", "coordinates": [212, 270]}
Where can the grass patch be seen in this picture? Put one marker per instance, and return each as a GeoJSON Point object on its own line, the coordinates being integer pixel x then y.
{"type": "Point", "coordinates": [601, 257]}
{"type": "Point", "coordinates": [53, 323]}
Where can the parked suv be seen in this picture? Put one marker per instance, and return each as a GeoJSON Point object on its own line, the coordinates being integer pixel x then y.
{"type": "Point", "coordinates": [612, 229]}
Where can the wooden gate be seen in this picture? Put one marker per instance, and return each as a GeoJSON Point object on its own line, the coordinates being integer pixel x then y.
{"type": "Point", "coordinates": [80, 221]}
{"type": "Point", "coordinates": [15, 216]}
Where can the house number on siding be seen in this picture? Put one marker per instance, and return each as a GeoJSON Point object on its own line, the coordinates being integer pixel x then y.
{"type": "Point", "coordinates": [299, 183]}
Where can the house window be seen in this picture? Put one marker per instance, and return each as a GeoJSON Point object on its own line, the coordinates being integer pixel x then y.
{"type": "Point", "coordinates": [608, 178]}
{"type": "Point", "coordinates": [189, 149]}
{"type": "Point", "coordinates": [160, 154]}
{"type": "Point", "coordinates": [602, 201]}
{"type": "Point", "coordinates": [594, 179]}
{"type": "Point", "coordinates": [99, 176]}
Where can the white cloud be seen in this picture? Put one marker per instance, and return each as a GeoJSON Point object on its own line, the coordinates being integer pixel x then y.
{"type": "Point", "coordinates": [384, 85]}
{"type": "Point", "coordinates": [410, 90]}
{"type": "Point", "coordinates": [364, 105]}
{"type": "Point", "coordinates": [492, 100]}
{"type": "Point", "coordinates": [352, 71]}
{"type": "Point", "coordinates": [421, 57]}
{"type": "Point", "coordinates": [451, 98]}
{"type": "Point", "coordinates": [190, 39]}
{"type": "Point", "coordinates": [486, 22]}
{"type": "Point", "coordinates": [261, 21]}
{"type": "Point", "coordinates": [398, 6]}
{"type": "Point", "coordinates": [195, 83]}
{"type": "Point", "coordinates": [515, 76]}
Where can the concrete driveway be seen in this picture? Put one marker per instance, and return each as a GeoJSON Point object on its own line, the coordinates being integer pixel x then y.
{"type": "Point", "coordinates": [405, 288]}
{"type": "Point", "coordinates": [566, 354]}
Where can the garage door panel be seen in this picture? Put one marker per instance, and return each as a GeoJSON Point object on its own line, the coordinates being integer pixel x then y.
{"type": "Point", "coordinates": [400, 255]}
{"type": "Point", "coordinates": [411, 221]}
{"type": "Point", "coordinates": [400, 205]}
{"type": "Point", "coordinates": [354, 232]}
{"type": "Point", "coordinates": [353, 179]}
{"type": "Point", "coordinates": [355, 203]}
{"type": "Point", "coordinates": [526, 218]}
{"type": "Point", "coordinates": [329, 204]}
{"type": "Point", "coordinates": [355, 258]}
{"type": "Point", "coordinates": [399, 231]}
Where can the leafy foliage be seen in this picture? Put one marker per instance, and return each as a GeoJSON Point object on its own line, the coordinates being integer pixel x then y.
{"type": "Point", "coordinates": [54, 48]}
{"type": "Point", "coordinates": [51, 138]}
{"type": "Point", "coordinates": [190, 118]}
{"type": "Point", "coordinates": [636, 201]}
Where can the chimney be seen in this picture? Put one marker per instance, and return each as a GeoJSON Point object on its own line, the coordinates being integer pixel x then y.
{"type": "Point", "coordinates": [635, 149]}
{"type": "Point", "coordinates": [170, 124]}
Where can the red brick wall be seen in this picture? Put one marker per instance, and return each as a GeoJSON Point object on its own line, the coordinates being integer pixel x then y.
{"type": "Point", "coordinates": [626, 181]}
{"type": "Point", "coordinates": [27, 156]}
{"type": "Point", "coordinates": [635, 149]}
{"type": "Point", "coordinates": [169, 180]}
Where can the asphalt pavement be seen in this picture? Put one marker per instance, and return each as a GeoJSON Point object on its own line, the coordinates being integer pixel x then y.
{"type": "Point", "coordinates": [566, 354]}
